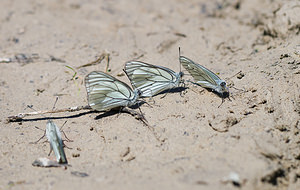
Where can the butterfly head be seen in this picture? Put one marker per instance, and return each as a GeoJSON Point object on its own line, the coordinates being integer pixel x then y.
{"type": "Point", "coordinates": [179, 81]}
{"type": "Point", "coordinates": [180, 74]}
{"type": "Point", "coordinates": [223, 84]}
{"type": "Point", "coordinates": [224, 91]}
{"type": "Point", "coordinates": [179, 77]}
{"type": "Point", "coordinates": [137, 93]}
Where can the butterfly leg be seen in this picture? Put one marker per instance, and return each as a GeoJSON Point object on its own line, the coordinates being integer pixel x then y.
{"type": "Point", "coordinates": [39, 138]}
{"type": "Point", "coordinates": [142, 116]}
{"type": "Point", "coordinates": [120, 110]}
{"type": "Point", "coordinates": [148, 103]}
{"type": "Point", "coordinates": [67, 139]}
{"type": "Point", "coordinates": [143, 119]}
{"type": "Point", "coordinates": [152, 100]}
{"type": "Point", "coordinates": [50, 150]}
{"type": "Point", "coordinates": [182, 93]}
{"type": "Point", "coordinates": [223, 100]}
{"type": "Point", "coordinates": [136, 115]}
{"type": "Point", "coordinates": [66, 145]}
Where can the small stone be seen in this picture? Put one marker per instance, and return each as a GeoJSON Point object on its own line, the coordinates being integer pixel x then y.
{"type": "Point", "coordinates": [240, 75]}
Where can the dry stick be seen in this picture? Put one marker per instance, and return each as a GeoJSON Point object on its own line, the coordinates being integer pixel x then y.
{"type": "Point", "coordinates": [22, 115]}
{"type": "Point", "coordinates": [107, 63]}
{"type": "Point", "coordinates": [97, 61]}
{"type": "Point", "coordinates": [235, 75]}
{"type": "Point", "coordinates": [218, 130]}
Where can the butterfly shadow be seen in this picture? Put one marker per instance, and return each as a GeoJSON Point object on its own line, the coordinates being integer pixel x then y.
{"type": "Point", "coordinates": [130, 110]}
{"type": "Point", "coordinates": [106, 114]}
{"type": "Point", "coordinates": [221, 95]}
{"type": "Point", "coordinates": [173, 90]}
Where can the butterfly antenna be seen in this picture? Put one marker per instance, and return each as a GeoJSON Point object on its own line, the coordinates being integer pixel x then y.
{"type": "Point", "coordinates": [125, 73]}
{"type": "Point", "coordinates": [54, 106]}
{"type": "Point", "coordinates": [63, 125]}
{"type": "Point", "coordinates": [55, 103]}
{"type": "Point", "coordinates": [31, 107]}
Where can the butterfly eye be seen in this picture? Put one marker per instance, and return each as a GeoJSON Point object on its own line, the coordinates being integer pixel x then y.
{"type": "Point", "coordinates": [225, 94]}
{"type": "Point", "coordinates": [139, 92]}
{"type": "Point", "coordinates": [181, 74]}
{"type": "Point", "coordinates": [223, 84]}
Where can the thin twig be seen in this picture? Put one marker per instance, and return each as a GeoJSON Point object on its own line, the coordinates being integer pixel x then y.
{"type": "Point", "coordinates": [218, 130]}
{"type": "Point", "coordinates": [235, 75]}
{"type": "Point", "coordinates": [22, 115]}
{"type": "Point", "coordinates": [104, 55]}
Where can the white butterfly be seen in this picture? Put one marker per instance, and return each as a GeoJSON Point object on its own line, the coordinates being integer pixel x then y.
{"type": "Point", "coordinates": [105, 92]}
{"type": "Point", "coordinates": [151, 79]}
{"type": "Point", "coordinates": [56, 144]}
{"type": "Point", "coordinates": [205, 77]}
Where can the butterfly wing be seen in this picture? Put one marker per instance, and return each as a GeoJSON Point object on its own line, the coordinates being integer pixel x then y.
{"type": "Point", "coordinates": [202, 75]}
{"type": "Point", "coordinates": [106, 92]}
{"type": "Point", "coordinates": [151, 79]}
{"type": "Point", "coordinates": [54, 137]}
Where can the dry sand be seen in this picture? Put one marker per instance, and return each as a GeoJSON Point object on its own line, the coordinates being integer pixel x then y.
{"type": "Point", "coordinates": [260, 140]}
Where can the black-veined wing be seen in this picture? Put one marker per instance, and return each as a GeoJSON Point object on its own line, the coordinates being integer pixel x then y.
{"type": "Point", "coordinates": [56, 144]}
{"type": "Point", "coordinates": [151, 79]}
{"type": "Point", "coordinates": [204, 77]}
{"type": "Point", "coordinates": [106, 92]}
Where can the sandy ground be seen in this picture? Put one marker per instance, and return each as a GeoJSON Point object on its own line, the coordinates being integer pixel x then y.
{"type": "Point", "coordinates": [260, 140]}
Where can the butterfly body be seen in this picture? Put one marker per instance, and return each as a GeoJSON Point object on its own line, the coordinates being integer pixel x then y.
{"type": "Point", "coordinates": [151, 79]}
{"type": "Point", "coordinates": [105, 92]}
{"type": "Point", "coordinates": [56, 144]}
{"type": "Point", "coordinates": [204, 77]}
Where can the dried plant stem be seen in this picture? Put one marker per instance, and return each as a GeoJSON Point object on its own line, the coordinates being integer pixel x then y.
{"type": "Point", "coordinates": [22, 115]}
